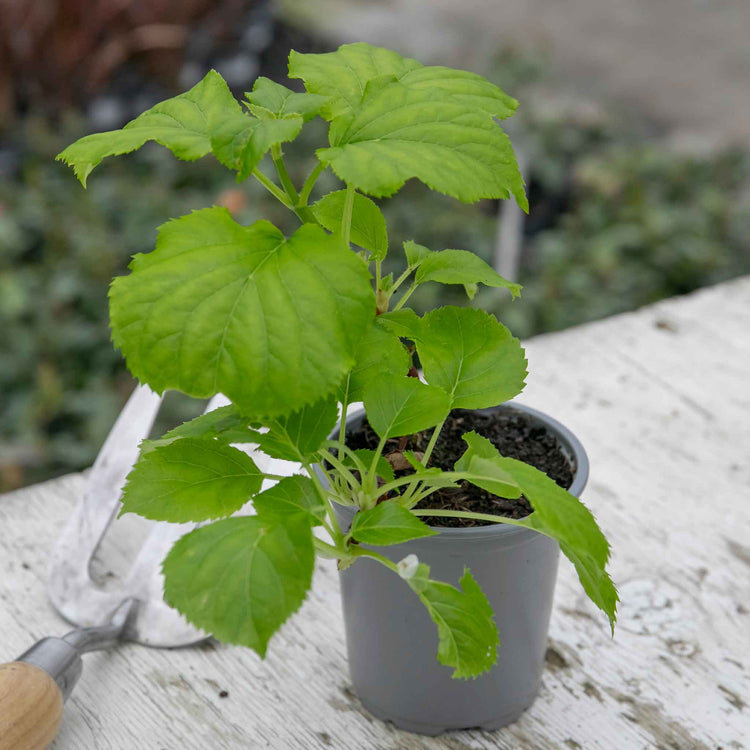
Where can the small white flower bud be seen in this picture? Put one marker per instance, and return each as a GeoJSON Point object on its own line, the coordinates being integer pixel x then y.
{"type": "Point", "coordinates": [407, 567]}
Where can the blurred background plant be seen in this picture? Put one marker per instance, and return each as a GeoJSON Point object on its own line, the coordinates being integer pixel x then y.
{"type": "Point", "coordinates": [618, 219]}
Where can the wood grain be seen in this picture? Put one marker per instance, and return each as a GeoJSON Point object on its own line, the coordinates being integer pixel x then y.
{"type": "Point", "coordinates": [661, 400]}
{"type": "Point", "coordinates": [31, 707]}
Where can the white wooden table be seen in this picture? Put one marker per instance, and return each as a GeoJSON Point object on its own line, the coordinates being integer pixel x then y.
{"type": "Point", "coordinates": [661, 400]}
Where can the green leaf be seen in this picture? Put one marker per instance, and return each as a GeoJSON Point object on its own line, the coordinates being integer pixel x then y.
{"type": "Point", "coordinates": [415, 253]}
{"type": "Point", "coordinates": [472, 356]}
{"type": "Point", "coordinates": [388, 523]}
{"type": "Point", "coordinates": [270, 322]}
{"type": "Point", "coordinates": [240, 141]}
{"type": "Point", "coordinates": [480, 466]}
{"type": "Point", "coordinates": [398, 406]}
{"type": "Point", "coordinates": [225, 424]}
{"type": "Point", "coordinates": [461, 267]}
{"type": "Point", "coordinates": [299, 435]}
{"type": "Point", "coordinates": [467, 633]}
{"type": "Point", "coordinates": [379, 352]}
{"type": "Point", "coordinates": [291, 496]}
{"type": "Point", "coordinates": [560, 515]}
{"type": "Point", "coordinates": [383, 469]}
{"type": "Point", "coordinates": [184, 124]}
{"type": "Point", "coordinates": [241, 578]}
{"type": "Point", "coordinates": [269, 98]}
{"type": "Point", "coordinates": [368, 224]}
{"type": "Point", "coordinates": [343, 75]}
{"type": "Point", "coordinates": [190, 480]}
{"type": "Point", "coordinates": [399, 133]}
{"type": "Point", "coordinates": [404, 323]}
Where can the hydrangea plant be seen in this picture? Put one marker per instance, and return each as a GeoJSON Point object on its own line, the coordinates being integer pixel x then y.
{"type": "Point", "coordinates": [292, 330]}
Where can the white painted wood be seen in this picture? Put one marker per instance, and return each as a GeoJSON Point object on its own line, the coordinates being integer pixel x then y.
{"type": "Point", "coordinates": [661, 400]}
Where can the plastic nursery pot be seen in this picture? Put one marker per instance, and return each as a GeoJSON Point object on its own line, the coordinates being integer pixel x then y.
{"type": "Point", "coordinates": [392, 643]}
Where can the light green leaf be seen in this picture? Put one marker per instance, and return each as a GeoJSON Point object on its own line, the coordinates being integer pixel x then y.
{"type": "Point", "coordinates": [377, 353]}
{"type": "Point", "coordinates": [271, 98]}
{"type": "Point", "coordinates": [270, 322]}
{"type": "Point", "coordinates": [299, 435]}
{"type": "Point", "coordinates": [388, 523]}
{"type": "Point", "coordinates": [190, 480]}
{"type": "Point", "coordinates": [415, 253]}
{"type": "Point", "coordinates": [404, 323]}
{"type": "Point", "coordinates": [240, 141]}
{"type": "Point", "coordinates": [398, 406]}
{"type": "Point", "coordinates": [295, 496]}
{"type": "Point", "coordinates": [225, 424]}
{"type": "Point", "coordinates": [368, 224]}
{"type": "Point", "coordinates": [472, 356]}
{"type": "Point", "coordinates": [184, 124]}
{"type": "Point", "coordinates": [343, 75]}
{"type": "Point", "coordinates": [241, 578]}
{"type": "Point", "coordinates": [398, 133]}
{"type": "Point", "coordinates": [560, 515]}
{"type": "Point", "coordinates": [467, 633]}
{"type": "Point", "coordinates": [480, 466]}
{"type": "Point", "coordinates": [461, 267]}
{"type": "Point", "coordinates": [383, 469]}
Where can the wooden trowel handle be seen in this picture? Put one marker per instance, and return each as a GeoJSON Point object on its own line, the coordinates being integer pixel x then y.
{"type": "Point", "coordinates": [31, 707]}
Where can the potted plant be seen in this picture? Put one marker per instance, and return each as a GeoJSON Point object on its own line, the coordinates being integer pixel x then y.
{"type": "Point", "coordinates": [294, 330]}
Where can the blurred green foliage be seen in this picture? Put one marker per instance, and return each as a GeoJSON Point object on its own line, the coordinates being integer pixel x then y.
{"type": "Point", "coordinates": [615, 223]}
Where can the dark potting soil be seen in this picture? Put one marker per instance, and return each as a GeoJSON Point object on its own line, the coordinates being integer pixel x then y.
{"type": "Point", "coordinates": [510, 431]}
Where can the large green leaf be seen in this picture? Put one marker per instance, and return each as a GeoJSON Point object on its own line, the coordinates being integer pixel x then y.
{"type": "Point", "coordinates": [388, 523]}
{"type": "Point", "coordinates": [184, 124]}
{"type": "Point", "coordinates": [368, 228]}
{"type": "Point", "coordinates": [399, 133]}
{"type": "Point", "coordinates": [472, 356]}
{"type": "Point", "coordinates": [398, 405]}
{"type": "Point", "coordinates": [461, 267]}
{"type": "Point", "coordinates": [241, 578]}
{"type": "Point", "coordinates": [270, 322]}
{"type": "Point", "coordinates": [404, 323]}
{"type": "Point", "coordinates": [190, 480]}
{"type": "Point", "coordinates": [271, 99]}
{"type": "Point", "coordinates": [467, 633]}
{"type": "Point", "coordinates": [299, 435]}
{"type": "Point", "coordinates": [226, 424]}
{"type": "Point", "coordinates": [240, 141]}
{"type": "Point", "coordinates": [478, 462]}
{"type": "Point", "coordinates": [292, 496]}
{"type": "Point", "coordinates": [379, 352]}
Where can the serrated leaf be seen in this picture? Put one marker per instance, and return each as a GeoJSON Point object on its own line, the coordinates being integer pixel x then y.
{"type": "Point", "coordinates": [399, 406]}
{"type": "Point", "coordinates": [291, 496]}
{"type": "Point", "coordinates": [383, 469]}
{"type": "Point", "coordinates": [270, 322]}
{"type": "Point", "coordinates": [461, 267]}
{"type": "Point", "coordinates": [190, 480]}
{"type": "Point", "coordinates": [241, 578]}
{"type": "Point", "coordinates": [240, 141]}
{"type": "Point", "coordinates": [280, 101]}
{"type": "Point", "coordinates": [368, 228]}
{"type": "Point", "coordinates": [472, 356]}
{"type": "Point", "coordinates": [560, 515]}
{"type": "Point", "coordinates": [467, 633]}
{"type": "Point", "coordinates": [479, 465]}
{"type": "Point", "coordinates": [299, 435]}
{"type": "Point", "coordinates": [388, 523]}
{"type": "Point", "coordinates": [404, 323]}
{"type": "Point", "coordinates": [415, 253]}
{"type": "Point", "coordinates": [184, 124]}
{"type": "Point", "coordinates": [379, 352]}
{"type": "Point", "coordinates": [225, 424]}
{"type": "Point", "coordinates": [398, 133]}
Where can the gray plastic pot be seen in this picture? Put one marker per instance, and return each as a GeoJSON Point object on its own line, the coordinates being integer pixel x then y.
{"type": "Point", "coordinates": [392, 642]}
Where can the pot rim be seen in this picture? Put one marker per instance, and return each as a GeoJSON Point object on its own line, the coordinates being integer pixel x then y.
{"type": "Point", "coordinates": [571, 447]}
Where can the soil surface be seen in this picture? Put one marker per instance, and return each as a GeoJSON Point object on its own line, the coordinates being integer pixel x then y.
{"type": "Point", "coordinates": [510, 431]}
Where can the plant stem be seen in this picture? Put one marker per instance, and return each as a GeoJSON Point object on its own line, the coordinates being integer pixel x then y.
{"type": "Point", "coordinates": [371, 482]}
{"type": "Point", "coordinates": [304, 195]}
{"type": "Point", "coordinates": [286, 180]}
{"type": "Point", "coordinates": [401, 279]}
{"type": "Point", "coordinates": [335, 530]}
{"type": "Point", "coordinates": [467, 514]}
{"type": "Point", "coordinates": [339, 466]}
{"type": "Point", "coordinates": [360, 552]}
{"type": "Point", "coordinates": [431, 445]}
{"type": "Point", "coordinates": [406, 296]}
{"type": "Point", "coordinates": [346, 222]}
{"type": "Point", "coordinates": [273, 189]}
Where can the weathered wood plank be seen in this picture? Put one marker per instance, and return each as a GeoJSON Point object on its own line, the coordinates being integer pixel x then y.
{"type": "Point", "coordinates": [661, 400]}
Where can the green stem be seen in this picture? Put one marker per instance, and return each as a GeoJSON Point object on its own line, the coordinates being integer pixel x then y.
{"type": "Point", "coordinates": [328, 550]}
{"type": "Point", "coordinates": [346, 449]}
{"type": "Point", "coordinates": [360, 552]}
{"type": "Point", "coordinates": [371, 481]}
{"type": "Point", "coordinates": [409, 479]}
{"type": "Point", "coordinates": [273, 189]}
{"type": "Point", "coordinates": [304, 195]}
{"type": "Point", "coordinates": [401, 279]}
{"type": "Point", "coordinates": [406, 296]}
{"type": "Point", "coordinates": [335, 530]}
{"type": "Point", "coordinates": [286, 181]}
{"type": "Point", "coordinates": [467, 514]}
{"type": "Point", "coordinates": [431, 445]}
{"type": "Point", "coordinates": [346, 222]}
{"type": "Point", "coordinates": [339, 466]}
